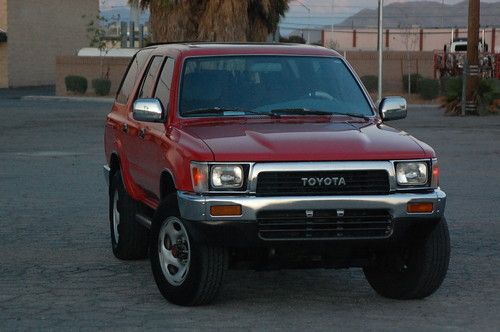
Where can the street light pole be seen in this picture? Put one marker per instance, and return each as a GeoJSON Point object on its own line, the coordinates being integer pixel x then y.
{"type": "Point", "coordinates": [309, 19]}
{"type": "Point", "coordinates": [380, 46]}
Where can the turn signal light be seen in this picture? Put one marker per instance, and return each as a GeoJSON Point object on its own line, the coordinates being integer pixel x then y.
{"type": "Point", "coordinates": [225, 210]}
{"type": "Point", "coordinates": [420, 207]}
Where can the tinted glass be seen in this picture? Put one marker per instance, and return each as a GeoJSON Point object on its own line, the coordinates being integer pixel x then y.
{"type": "Point", "coordinates": [149, 79]}
{"type": "Point", "coordinates": [136, 65]}
{"type": "Point", "coordinates": [164, 83]}
{"type": "Point", "coordinates": [267, 83]}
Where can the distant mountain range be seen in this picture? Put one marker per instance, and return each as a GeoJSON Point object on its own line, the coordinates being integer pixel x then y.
{"type": "Point", "coordinates": [429, 14]}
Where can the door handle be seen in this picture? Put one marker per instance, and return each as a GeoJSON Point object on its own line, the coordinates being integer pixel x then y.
{"type": "Point", "coordinates": [142, 133]}
{"type": "Point", "coordinates": [125, 128]}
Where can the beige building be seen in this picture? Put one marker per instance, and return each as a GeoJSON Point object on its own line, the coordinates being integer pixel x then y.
{"type": "Point", "coordinates": [414, 39]}
{"type": "Point", "coordinates": [37, 31]}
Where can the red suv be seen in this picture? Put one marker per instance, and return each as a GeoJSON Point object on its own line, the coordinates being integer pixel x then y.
{"type": "Point", "coordinates": [268, 156]}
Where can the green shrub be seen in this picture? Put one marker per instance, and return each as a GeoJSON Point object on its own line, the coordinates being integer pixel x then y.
{"type": "Point", "coordinates": [415, 80]}
{"type": "Point", "coordinates": [101, 86]}
{"type": "Point", "coordinates": [370, 82]}
{"type": "Point", "coordinates": [76, 84]}
{"type": "Point", "coordinates": [496, 88]}
{"type": "Point", "coordinates": [428, 88]}
{"type": "Point", "coordinates": [453, 88]}
{"type": "Point", "coordinates": [443, 81]}
{"type": "Point", "coordinates": [484, 94]}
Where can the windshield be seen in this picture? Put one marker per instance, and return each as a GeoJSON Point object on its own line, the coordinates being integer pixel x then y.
{"type": "Point", "coordinates": [253, 85]}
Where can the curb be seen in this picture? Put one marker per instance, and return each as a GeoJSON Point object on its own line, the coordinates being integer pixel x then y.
{"type": "Point", "coordinates": [106, 100]}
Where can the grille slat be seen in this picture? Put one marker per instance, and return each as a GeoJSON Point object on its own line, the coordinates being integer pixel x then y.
{"type": "Point", "coordinates": [365, 182]}
{"type": "Point", "coordinates": [356, 224]}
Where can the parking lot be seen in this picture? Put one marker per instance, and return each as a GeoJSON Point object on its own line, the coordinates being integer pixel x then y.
{"type": "Point", "coordinates": [57, 270]}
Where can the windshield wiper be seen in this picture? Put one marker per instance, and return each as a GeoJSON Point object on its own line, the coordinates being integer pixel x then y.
{"type": "Point", "coordinates": [299, 111]}
{"type": "Point", "coordinates": [360, 116]}
{"type": "Point", "coordinates": [222, 110]}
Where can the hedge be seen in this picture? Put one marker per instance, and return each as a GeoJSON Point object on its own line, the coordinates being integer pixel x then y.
{"type": "Point", "coordinates": [428, 88]}
{"type": "Point", "coordinates": [370, 82]}
{"type": "Point", "coordinates": [76, 84]}
{"type": "Point", "coordinates": [101, 86]}
{"type": "Point", "coordinates": [415, 80]}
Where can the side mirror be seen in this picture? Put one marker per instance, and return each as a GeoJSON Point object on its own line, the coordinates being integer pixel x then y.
{"type": "Point", "coordinates": [147, 110]}
{"type": "Point", "coordinates": [392, 108]}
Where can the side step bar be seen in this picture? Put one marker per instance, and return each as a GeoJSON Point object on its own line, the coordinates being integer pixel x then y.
{"type": "Point", "coordinates": [143, 220]}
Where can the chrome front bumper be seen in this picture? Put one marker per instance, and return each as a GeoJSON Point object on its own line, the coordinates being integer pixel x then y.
{"type": "Point", "coordinates": [197, 207]}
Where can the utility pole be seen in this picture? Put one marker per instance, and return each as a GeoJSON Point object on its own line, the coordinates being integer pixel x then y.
{"type": "Point", "coordinates": [333, 13]}
{"type": "Point", "coordinates": [309, 19]}
{"type": "Point", "coordinates": [380, 46]}
{"type": "Point", "coordinates": [472, 64]}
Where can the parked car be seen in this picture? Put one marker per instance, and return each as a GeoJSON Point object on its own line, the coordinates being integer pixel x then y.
{"type": "Point", "coordinates": [268, 156]}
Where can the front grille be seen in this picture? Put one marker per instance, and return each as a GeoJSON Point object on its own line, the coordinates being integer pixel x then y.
{"type": "Point", "coordinates": [324, 224]}
{"type": "Point", "coordinates": [370, 182]}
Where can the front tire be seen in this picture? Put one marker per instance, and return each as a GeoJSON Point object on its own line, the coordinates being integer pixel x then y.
{"type": "Point", "coordinates": [187, 272]}
{"type": "Point", "coordinates": [413, 272]}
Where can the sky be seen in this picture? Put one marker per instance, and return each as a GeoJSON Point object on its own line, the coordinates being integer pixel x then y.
{"type": "Point", "coordinates": [322, 12]}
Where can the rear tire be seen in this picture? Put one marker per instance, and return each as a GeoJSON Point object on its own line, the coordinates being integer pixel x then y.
{"type": "Point", "coordinates": [413, 272]}
{"type": "Point", "coordinates": [187, 272]}
{"type": "Point", "coordinates": [129, 239]}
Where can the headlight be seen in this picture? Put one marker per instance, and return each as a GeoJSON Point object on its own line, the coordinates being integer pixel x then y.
{"type": "Point", "coordinates": [412, 173]}
{"type": "Point", "coordinates": [207, 177]}
{"type": "Point", "coordinates": [227, 177]}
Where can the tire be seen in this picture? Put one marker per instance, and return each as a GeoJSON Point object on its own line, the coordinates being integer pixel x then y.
{"type": "Point", "coordinates": [129, 239]}
{"type": "Point", "coordinates": [413, 272]}
{"type": "Point", "coordinates": [187, 272]}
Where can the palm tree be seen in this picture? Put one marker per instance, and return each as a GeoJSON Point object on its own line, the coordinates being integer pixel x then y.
{"type": "Point", "coordinates": [213, 20]}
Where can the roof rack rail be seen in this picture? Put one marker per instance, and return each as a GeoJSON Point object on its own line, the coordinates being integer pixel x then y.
{"type": "Point", "coordinates": [219, 43]}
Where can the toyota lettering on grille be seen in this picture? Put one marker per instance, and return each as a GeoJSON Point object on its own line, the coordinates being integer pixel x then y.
{"type": "Point", "coordinates": [327, 181]}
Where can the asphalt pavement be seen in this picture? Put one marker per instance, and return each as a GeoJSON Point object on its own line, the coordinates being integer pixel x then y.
{"type": "Point", "coordinates": [57, 270]}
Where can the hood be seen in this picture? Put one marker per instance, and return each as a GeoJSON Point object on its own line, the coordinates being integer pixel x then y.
{"type": "Point", "coordinates": [281, 140]}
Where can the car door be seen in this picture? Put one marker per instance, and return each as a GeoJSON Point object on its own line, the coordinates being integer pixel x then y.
{"type": "Point", "coordinates": [142, 159]}
{"type": "Point", "coordinates": [155, 133]}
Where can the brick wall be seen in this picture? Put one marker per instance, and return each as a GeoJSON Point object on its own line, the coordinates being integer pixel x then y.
{"type": "Point", "coordinates": [3, 14]}
{"type": "Point", "coordinates": [89, 67]}
{"type": "Point", "coordinates": [4, 73]}
{"type": "Point", "coordinates": [363, 62]}
{"type": "Point", "coordinates": [4, 78]}
{"type": "Point", "coordinates": [395, 66]}
{"type": "Point", "coordinates": [39, 31]}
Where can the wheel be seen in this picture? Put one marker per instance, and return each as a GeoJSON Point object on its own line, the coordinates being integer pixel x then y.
{"type": "Point", "coordinates": [416, 271]}
{"type": "Point", "coordinates": [187, 272]}
{"type": "Point", "coordinates": [129, 240]}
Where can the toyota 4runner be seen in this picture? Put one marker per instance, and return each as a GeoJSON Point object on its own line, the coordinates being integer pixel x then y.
{"type": "Point", "coordinates": [268, 156]}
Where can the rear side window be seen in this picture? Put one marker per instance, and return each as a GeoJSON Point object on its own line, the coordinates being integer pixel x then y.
{"type": "Point", "coordinates": [165, 82]}
{"type": "Point", "coordinates": [136, 65]}
{"type": "Point", "coordinates": [149, 80]}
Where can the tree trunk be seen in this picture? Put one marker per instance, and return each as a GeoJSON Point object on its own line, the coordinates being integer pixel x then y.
{"type": "Point", "coordinates": [213, 20]}
{"type": "Point", "coordinates": [224, 21]}
{"type": "Point", "coordinates": [174, 23]}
